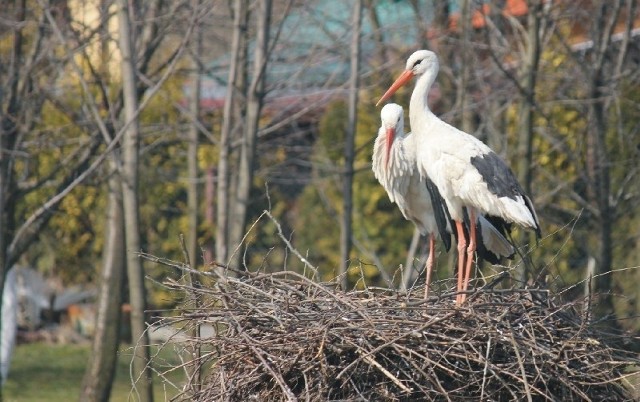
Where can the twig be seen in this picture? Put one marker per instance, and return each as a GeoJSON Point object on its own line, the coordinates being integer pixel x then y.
{"type": "Point", "coordinates": [386, 372]}
{"type": "Point", "coordinates": [289, 246]}
{"type": "Point", "coordinates": [276, 375]}
{"type": "Point", "coordinates": [484, 371]}
{"type": "Point", "coordinates": [527, 390]}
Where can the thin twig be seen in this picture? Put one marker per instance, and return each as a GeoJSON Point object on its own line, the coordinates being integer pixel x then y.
{"type": "Point", "coordinates": [386, 372]}
{"type": "Point", "coordinates": [289, 246]}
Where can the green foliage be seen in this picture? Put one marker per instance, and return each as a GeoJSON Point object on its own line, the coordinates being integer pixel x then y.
{"type": "Point", "coordinates": [332, 128]}
{"type": "Point", "coordinates": [69, 244]}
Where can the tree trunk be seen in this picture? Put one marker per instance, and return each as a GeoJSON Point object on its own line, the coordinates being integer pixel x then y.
{"type": "Point", "coordinates": [9, 101]}
{"type": "Point", "coordinates": [378, 38]}
{"type": "Point", "coordinates": [98, 377]}
{"type": "Point", "coordinates": [192, 156]}
{"type": "Point", "coordinates": [465, 113]}
{"type": "Point", "coordinates": [223, 190]}
{"type": "Point", "coordinates": [255, 100]}
{"type": "Point", "coordinates": [597, 156]}
{"type": "Point", "coordinates": [209, 212]}
{"type": "Point", "coordinates": [529, 72]}
{"type": "Point", "coordinates": [354, 85]}
{"type": "Point", "coordinates": [598, 166]}
{"type": "Point", "coordinates": [5, 134]}
{"type": "Point", "coordinates": [192, 255]}
{"type": "Point", "coordinates": [141, 370]}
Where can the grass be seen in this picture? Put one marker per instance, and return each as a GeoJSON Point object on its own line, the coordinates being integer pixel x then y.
{"type": "Point", "coordinates": [43, 372]}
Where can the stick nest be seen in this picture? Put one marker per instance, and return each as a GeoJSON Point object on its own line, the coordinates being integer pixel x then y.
{"type": "Point", "coordinates": [283, 337]}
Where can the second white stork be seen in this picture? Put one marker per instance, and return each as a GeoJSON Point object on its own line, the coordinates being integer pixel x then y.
{"type": "Point", "coordinates": [394, 165]}
{"type": "Point", "coordinates": [466, 172]}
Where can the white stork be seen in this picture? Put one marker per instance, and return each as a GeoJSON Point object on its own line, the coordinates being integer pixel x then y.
{"type": "Point", "coordinates": [466, 172]}
{"type": "Point", "coordinates": [395, 167]}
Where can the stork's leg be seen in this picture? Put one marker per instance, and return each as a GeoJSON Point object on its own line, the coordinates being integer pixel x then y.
{"type": "Point", "coordinates": [471, 249]}
{"type": "Point", "coordinates": [462, 247]}
{"type": "Point", "coordinates": [429, 265]}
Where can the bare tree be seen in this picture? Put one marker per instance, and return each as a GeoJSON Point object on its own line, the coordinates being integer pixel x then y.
{"type": "Point", "coordinates": [192, 254]}
{"type": "Point", "coordinates": [528, 79]}
{"type": "Point", "coordinates": [105, 343]}
{"type": "Point", "coordinates": [228, 121]}
{"type": "Point", "coordinates": [378, 38]}
{"type": "Point", "coordinates": [192, 151]}
{"type": "Point", "coordinates": [98, 378]}
{"type": "Point", "coordinates": [528, 74]}
{"type": "Point", "coordinates": [21, 67]}
{"type": "Point", "coordinates": [35, 52]}
{"type": "Point", "coordinates": [255, 99]}
{"type": "Point", "coordinates": [131, 143]}
{"type": "Point", "coordinates": [100, 372]}
{"type": "Point", "coordinates": [464, 73]}
{"type": "Point", "coordinates": [349, 150]}
{"type": "Point", "coordinates": [597, 157]}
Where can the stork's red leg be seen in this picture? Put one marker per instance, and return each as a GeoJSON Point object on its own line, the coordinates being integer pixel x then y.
{"type": "Point", "coordinates": [462, 247]}
{"type": "Point", "coordinates": [471, 249]}
{"type": "Point", "coordinates": [429, 266]}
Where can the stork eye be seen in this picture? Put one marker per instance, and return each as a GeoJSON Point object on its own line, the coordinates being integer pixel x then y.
{"type": "Point", "coordinates": [416, 63]}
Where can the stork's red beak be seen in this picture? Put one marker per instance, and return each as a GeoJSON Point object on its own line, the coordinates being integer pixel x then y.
{"type": "Point", "coordinates": [391, 134]}
{"type": "Point", "coordinates": [403, 79]}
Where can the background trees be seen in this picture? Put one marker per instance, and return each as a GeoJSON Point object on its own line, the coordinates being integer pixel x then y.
{"type": "Point", "coordinates": [551, 86]}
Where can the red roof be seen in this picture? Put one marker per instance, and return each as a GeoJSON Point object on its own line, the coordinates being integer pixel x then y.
{"type": "Point", "coordinates": [511, 8]}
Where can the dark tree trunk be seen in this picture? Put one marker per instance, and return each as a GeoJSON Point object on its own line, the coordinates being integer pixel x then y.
{"type": "Point", "coordinates": [528, 76]}
{"type": "Point", "coordinates": [349, 150]}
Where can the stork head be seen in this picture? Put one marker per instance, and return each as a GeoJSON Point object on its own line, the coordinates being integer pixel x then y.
{"type": "Point", "coordinates": [418, 63]}
{"type": "Point", "coordinates": [392, 117]}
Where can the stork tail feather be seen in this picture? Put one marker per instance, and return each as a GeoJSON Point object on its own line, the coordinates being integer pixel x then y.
{"type": "Point", "coordinates": [440, 211]}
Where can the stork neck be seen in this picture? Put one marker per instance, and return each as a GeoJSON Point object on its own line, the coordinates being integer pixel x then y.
{"type": "Point", "coordinates": [419, 106]}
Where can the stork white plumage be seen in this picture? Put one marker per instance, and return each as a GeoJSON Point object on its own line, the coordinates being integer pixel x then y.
{"type": "Point", "coordinates": [466, 172]}
{"type": "Point", "coordinates": [395, 167]}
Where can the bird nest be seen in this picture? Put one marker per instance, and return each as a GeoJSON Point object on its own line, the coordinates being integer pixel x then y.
{"type": "Point", "coordinates": [282, 336]}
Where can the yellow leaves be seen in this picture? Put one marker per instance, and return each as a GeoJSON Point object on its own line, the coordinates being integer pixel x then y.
{"type": "Point", "coordinates": [332, 130]}
{"type": "Point", "coordinates": [170, 187]}
{"type": "Point", "coordinates": [208, 156]}
{"type": "Point", "coordinates": [280, 155]}
{"type": "Point", "coordinates": [544, 159]}
{"type": "Point", "coordinates": [162, 225]}
{"type": "Point", "coordinates": [556, 59]}
{"type": "Point", "coordinates": [359, 272]}
{"type": "Point", "coordinates": [570, 115]}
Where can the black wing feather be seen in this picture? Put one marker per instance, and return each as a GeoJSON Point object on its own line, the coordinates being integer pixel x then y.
{"type": "Point", "coordinates": [502, 182]}
{"type": "Point", "coordinates": [504, 228]}
{"type": "Point", "coordinates": [440, 212]}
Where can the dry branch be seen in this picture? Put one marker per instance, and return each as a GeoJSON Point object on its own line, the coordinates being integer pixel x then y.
{"type": "Point", "coordinates": [284, 337]}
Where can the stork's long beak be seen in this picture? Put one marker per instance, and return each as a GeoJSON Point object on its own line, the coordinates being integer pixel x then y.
{"type": "Point", "coordinates": [403, 79]}
{"type": "Point", "coordinates": [391, 134]}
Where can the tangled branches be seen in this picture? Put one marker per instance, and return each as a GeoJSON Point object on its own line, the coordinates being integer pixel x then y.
{"type": "Point", "coordinates": [282, 336]}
